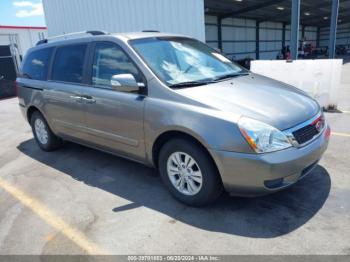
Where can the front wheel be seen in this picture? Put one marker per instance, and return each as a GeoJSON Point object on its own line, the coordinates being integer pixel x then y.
{"type": "Point", "coordinates": [189, 173]}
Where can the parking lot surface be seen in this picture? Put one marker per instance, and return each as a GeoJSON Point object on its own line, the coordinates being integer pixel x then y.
{"type": "Point", "coordinates": [81, 201]}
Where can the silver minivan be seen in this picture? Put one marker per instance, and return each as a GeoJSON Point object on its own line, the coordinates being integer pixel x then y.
{"type": "Point", "coordinates": [176, 104]}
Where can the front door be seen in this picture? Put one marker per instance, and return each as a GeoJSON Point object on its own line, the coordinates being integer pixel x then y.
{"type": "Point", "coordinates": [114, 118]}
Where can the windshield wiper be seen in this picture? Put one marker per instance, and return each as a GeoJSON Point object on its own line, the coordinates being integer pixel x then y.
{"type": "Point", "coordinates": [201, 83]}
{"type": "Point", "coordinates": [190, 84]}
{"type": "Point", "coordinates": [230, 76]}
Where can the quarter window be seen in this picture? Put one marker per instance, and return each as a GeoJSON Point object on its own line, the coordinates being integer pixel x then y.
{"type": "Point", "coordinates": [36, 64]}
{"type": "Point", "coordinates": [109, 60]}
{"type": "Point", "coordinates": [68, 64]}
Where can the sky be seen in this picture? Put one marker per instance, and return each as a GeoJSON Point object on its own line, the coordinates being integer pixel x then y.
{"type": "Point", "coordinates": [21, 13]}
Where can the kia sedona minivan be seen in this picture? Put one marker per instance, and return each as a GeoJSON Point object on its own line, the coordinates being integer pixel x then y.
{"type": "Point", "coordinates": [173, 103]}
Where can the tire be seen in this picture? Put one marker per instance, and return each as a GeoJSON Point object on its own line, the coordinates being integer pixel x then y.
{"type": "Point", "coordinates": [182, 185]}
{"type": "Point", "coordinates": [43, 135]}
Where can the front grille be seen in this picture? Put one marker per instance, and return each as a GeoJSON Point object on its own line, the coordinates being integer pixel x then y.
{"type": "Point", "coordinates": [305, 134]}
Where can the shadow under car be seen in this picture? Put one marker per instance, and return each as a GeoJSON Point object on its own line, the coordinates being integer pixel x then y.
{"type": "Point", "coordinates": [263, 217]}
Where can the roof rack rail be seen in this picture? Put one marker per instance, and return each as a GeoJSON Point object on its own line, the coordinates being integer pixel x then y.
{"type": "Point", "coordinates": [71, 36]}
{"type": "Point", "coordinates": [96, 32]}
{"type": "Point", "coordinates": [150, 31]}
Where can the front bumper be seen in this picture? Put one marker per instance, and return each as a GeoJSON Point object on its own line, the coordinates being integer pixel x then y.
{"type": "Point", "coordinates": [260, 174]}
{"type": "Point", "coordinates": [23, 110]}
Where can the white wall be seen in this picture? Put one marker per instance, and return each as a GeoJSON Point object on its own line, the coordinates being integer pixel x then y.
{"type": "Point", "coordinates": [27, 37]}
{"type": "Point", "coordinates": [180, 16]}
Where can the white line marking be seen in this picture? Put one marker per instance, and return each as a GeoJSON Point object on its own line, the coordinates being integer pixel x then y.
{"type": "Point", "coordinates": [340, 134]}
{"type": "Point", "coordinates": [52, 219]}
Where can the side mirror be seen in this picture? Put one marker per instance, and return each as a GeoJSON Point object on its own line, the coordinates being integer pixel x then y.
{"type": "Point", "coordinates": [125, 83]}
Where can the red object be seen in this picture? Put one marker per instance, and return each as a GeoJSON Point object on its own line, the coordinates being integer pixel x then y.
{"type": "Point", "coordinates": [22, 27]}
{"type": "Point", "coordinates": [288, 56]}
{"type": "Point", "coordinates": [319, 123]}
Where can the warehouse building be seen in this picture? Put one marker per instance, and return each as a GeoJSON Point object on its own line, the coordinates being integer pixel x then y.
{"type": "Point", "coordinates": [14, 43]}
{"type": "Point", "coordinates": [24, 37]}
{"type": "Point", "coordinates": [260, 29]}
{"type": "Point", "coordinates": [240, 28]}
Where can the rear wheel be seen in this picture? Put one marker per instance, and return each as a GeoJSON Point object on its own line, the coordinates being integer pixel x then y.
{"type": "Point", "coordinates": [43, 135]}
{"type": "Point", "coordinates": [189, 173]}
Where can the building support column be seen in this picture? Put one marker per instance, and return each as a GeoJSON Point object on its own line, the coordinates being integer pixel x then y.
{"type": "Point", "coordinates": [295, 28]}
{"type": "Point", "coordinates": [303, 32]}
{"type": "Point", "coordinates": [220, 33]}
{"type": "Point", "coordinates": [333, 29]}
{"type": "Point", "coordinates": [318, 36]}
{"type": "Point", "coordinates": [257, 40]}
{"type": "Point", "coordinates": [284, 35]}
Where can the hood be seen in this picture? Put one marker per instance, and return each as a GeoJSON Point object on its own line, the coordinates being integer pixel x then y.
{"type": "Point", "coordinates": [257, 97]}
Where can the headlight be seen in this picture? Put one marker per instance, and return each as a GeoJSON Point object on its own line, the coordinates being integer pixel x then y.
{"type": "Point", "coordinates": [262, 137]}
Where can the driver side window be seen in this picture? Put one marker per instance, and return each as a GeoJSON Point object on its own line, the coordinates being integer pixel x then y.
{"type": "Point", "coordinates": [110, 60]}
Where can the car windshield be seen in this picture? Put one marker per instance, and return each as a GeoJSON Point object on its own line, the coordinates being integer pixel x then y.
{"type": "Point", "coordinates": [181, 61]}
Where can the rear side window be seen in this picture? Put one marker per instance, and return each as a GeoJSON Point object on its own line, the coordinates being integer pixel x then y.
{"type": "Point", "coordinates": [68, 64]}
{"type": "Point", "coordinates": [36, 64]}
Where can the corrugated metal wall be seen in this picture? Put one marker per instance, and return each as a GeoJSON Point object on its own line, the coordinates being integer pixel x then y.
{"type": "Point", "coordinates": [180, 16]}
{"type": "Point", "coordinates": [211, 31]}
{"type": "Point", "coordinates": [239, 37]}
{"type": "Point", "coordinates": [343, 35]}
{"type": "Point", "coordinates": [270, 39]}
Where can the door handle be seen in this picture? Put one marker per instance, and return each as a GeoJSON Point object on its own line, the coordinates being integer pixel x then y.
{"type": "Point", "coordinates": [88, 99]}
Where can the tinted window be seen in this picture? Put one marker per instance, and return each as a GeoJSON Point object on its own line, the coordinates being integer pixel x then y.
{"type": "Point", "coordinates": [109, 60]}
{"type": "Point", "coordinates": [68, 64]}
{"type": "Point", "coordinates": [36, 64]}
